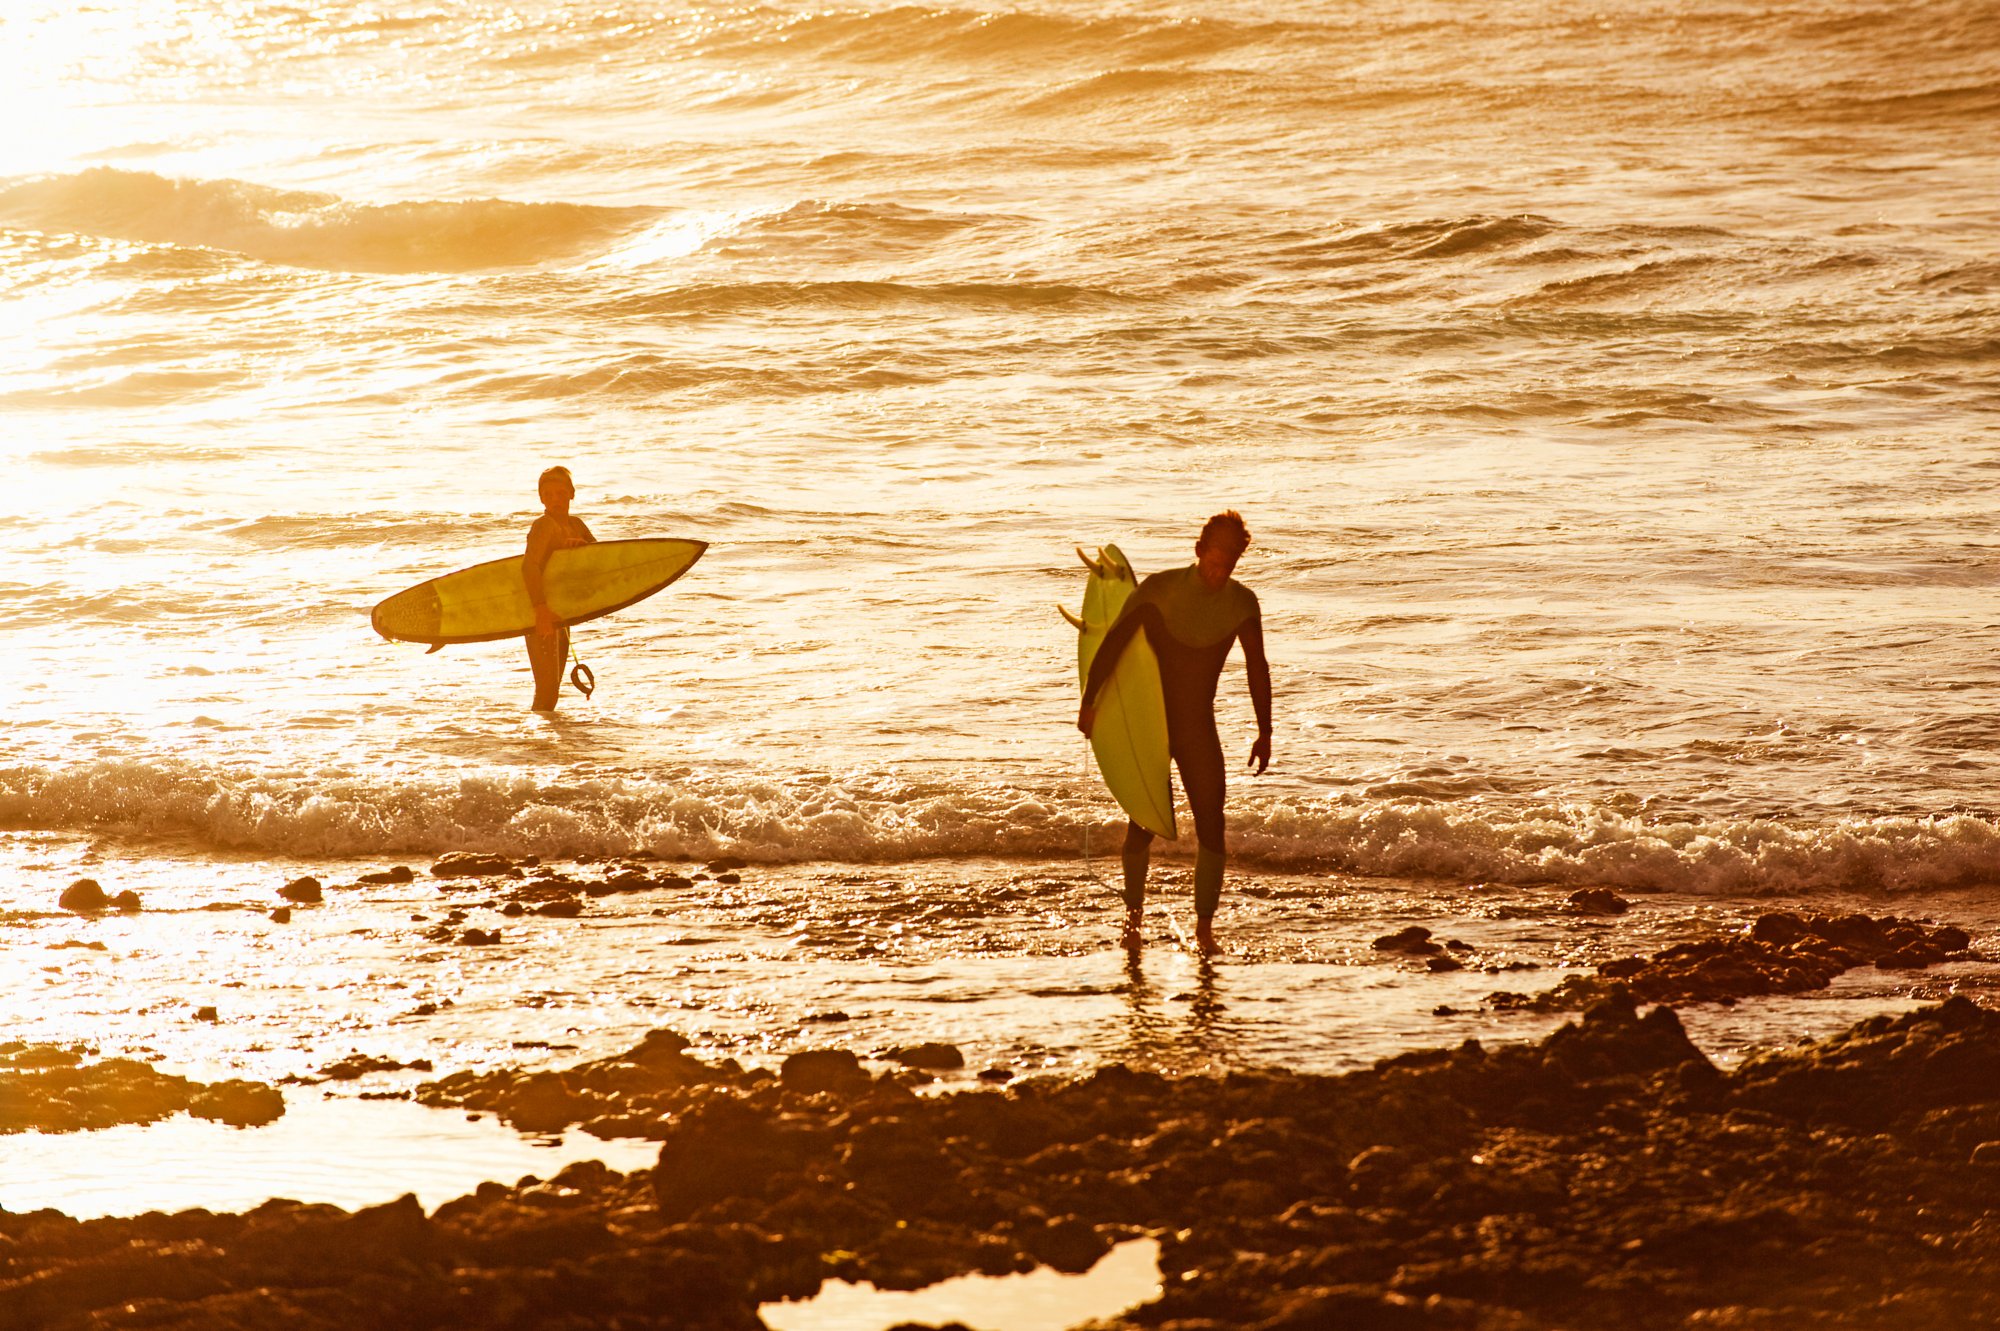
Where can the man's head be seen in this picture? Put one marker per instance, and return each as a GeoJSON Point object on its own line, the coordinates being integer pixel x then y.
{"type": "Point", "coordinates": [1224, 538]}
{"type": "Point", "coordinates": [556, 489]}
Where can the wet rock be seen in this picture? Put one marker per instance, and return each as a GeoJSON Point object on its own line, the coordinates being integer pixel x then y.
{"type": "Point", "coordinates": [1986, 1153]}
{"type": "Point", "coordinates": [996, 1074]}
{"type": "Point", "coordinates": [479, 938]}
{"type": "Point", "coordinates": [1414, 941]}
{"type": "Point", "coordinates": [92, 945]}
{"type": "Point", "coordinates": [1607, 1175]}
{"type": "Point", "coordinates": [470, 864]}
{"type": "Point", "coordinates": [513, 910]}
{"type": "Point", "coordinates": [1781, 953]}
{"type": "Point", "coordinates": [206, 1014]}
{"type": "Point", "coordinates": [933, 1056]}
{"type": "Point", "coordinates": [303, 891]}
{"type": "Point", "coordinates": [361, 1065]}
{"type": "Point", "coordinates": [241, 1104]}
{"type": "Point", "coordinates": [1597, 901]}
{"type": "Point", "coordinates": [401, 873]}
{"type": "Point", "coordinates": [561, 910]}
{"type": "Point", "coordinates": [127, 901]}
{"type": "Point", "coordinates": [729, 879]}
{"type": "Point", "coordinates": [1444, 963]}
{"type": "Point", "coordinates": [282, 915]}
{"type": "Point", "coordinates": [61, 1089]}
{"type": "Point", "coordinates": [83, 897]}
{"type": "Point", "coordinates": [817, 1070]}
{"type": "Point", "coordinates": [727, 864]}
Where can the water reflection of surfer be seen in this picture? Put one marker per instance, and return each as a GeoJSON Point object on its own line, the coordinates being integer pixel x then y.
{"type": "Point", "coordinates": [1192, 616]}
{"type": "Point", "coordinates": [557, 529]}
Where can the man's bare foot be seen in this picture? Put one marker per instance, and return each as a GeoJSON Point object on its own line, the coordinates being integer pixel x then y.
{"type": "Point", "coordinates": [1132, 939]}
{"type": "Point", "coordinates": [1204, 938]}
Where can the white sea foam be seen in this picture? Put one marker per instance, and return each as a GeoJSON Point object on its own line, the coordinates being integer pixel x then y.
{"type": "Point", "coordinates": [871, 820]}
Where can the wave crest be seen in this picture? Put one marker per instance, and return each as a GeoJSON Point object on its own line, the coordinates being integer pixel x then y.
{"type": "Point", "coordinates": [312, 230]}
{"type": "Point", "coordinates": [873, 819]}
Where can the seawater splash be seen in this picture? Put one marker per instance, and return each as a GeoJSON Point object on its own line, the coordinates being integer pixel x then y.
{"type": "Point", "coordinates": [313, 230]}
{"type": "Point", "coordinates": [877, 819]}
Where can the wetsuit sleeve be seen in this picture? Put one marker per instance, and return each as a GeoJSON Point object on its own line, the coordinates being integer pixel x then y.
{"type": "Point", "coordinates": [1251, 635]}
{"type": "Point", "coordinates": [1113, 646]}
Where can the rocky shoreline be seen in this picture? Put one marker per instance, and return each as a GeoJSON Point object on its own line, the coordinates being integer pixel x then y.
{"type": "Point", "coordinates": [1609, 1174]}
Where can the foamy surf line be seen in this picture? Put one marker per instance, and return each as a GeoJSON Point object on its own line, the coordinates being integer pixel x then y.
{"type": "Point", "coordinates": [883, 819]}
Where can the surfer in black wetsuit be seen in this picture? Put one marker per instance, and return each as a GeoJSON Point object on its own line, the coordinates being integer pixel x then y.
{"type": "Point", "coordinates": [557, 529]}
{"type": "Point", "coordinates": [1191, 616]}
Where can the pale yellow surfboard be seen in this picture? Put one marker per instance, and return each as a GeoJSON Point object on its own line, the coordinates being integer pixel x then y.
{"type": "Point", "coordinates": [489, 601]}
{"type": "Point", "coordinates": [1130, 737]}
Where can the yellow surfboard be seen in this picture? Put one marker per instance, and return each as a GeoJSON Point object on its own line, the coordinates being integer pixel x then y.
{"type": "Point", "coordinates": [489, 601]}
{"type": "Point", "coordinates": [1130, 736]}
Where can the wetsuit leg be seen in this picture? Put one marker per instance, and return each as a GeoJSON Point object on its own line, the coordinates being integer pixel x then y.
{"type": "Point", "coordinates": [545, 658]}
{"type": "Point", "coordinates": [1138, 851]}
{"type": "Point", "coordinates": [1198, 753]}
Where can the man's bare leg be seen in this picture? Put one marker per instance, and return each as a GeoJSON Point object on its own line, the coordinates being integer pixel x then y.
{"type": "Point", "coordinates": [546, 654]}
{"type": "Point", "coordinates": [1137, 855]}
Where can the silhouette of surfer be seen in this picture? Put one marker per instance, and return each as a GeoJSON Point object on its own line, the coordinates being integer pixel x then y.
{"type": "Point", "coordinates": [557, 529]}
{"type": "Point", "coordinates": [1191, 617]}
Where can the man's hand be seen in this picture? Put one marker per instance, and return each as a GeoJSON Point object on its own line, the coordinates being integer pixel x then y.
{"type": "Point", "coordinates": [1260, 754]}
{"type": "Point", "coordinates": [1086, 720]}
{"type": "Point", "coordinates": [545, 622]}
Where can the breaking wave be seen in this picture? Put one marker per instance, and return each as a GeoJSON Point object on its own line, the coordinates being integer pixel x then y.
{"type": "Point", "coordinates": [312, 230]}
{"type": "Point", "coordinates": [877, 819]}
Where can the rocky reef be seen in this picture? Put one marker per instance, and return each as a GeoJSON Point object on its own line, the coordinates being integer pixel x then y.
{"type": "Point", "coordinates": [1609, 1175]}
{"type": "Point", "coordinates": [1781, 953]}
{"type": "Point", "coordinates": [58, 1088]}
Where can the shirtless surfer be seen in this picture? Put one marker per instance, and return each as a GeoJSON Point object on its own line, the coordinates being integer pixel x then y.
{"type": "Point", "coordinates": [557, 529]}
{"type": "Point", "coordinates": [1191, 616]}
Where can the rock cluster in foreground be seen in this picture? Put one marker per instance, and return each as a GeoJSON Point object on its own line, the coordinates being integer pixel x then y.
{"type": "Point", "coordinates": [53, 1088]}
{"type": "Point", "coordinates": [1781, 953]}
{"type": "Point", "coordinates": [1608, 1176]}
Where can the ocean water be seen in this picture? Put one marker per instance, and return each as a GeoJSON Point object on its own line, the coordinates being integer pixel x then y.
{"type": "Point", "coordinates": [1609, 394]}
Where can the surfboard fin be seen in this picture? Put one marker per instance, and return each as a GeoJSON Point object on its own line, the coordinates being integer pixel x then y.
{"type": "Point", "coordinates": [1074, 622]}
{"type": "Point", "coordinates": [1094, 565]}
{"type": "Point", "coordinates": [435, 647]}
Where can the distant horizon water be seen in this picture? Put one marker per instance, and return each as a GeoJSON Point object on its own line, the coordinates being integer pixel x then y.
{"type": "Point", "coordinates": [1608, 395]}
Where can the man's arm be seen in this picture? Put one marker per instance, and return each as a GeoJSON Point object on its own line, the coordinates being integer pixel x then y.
{"type": "Point", "coordinates": [1101, 665]}
{"type": "Point", "coordinates": [1259, 670]}
{"type": "Point", "coordinates": [541, 543]}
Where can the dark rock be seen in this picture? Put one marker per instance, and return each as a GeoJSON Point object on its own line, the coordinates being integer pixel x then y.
{"type": "Point", "coordinates": [470, 864]}
{"type": "Point", "coordinates": [401, 873]}
{"type": "Point", "coordinates": [282, 915]}
{"type": "Point", "coordinates": [1597, 901]}
{"type": "Point", "coordinates": [241, 1104]}
{"type": "Point", "coordinates": [206, 1014]}
{"type": "Point", "coordinates": [822, 1070]}
{"type": "Point", "coordinates": [127, 901]}
{"type": "Point", "coordinates": [479, 937]}
{"type": "Point", "coordinates": [304, 891]}
{"type": "Point", "coordinates": [1414, 941]}
{"type": "Point", "coordinates": [997, 1074]}
{"type": "Point", "coordinates": [561, 910]}
{"type": "Point", "coordinates": [1444, 963]}
{"type": "Point", "coordinates": [513, 910]}
{"type": "Point", "coordinates": [727, 864]}
{"type": "Point", "coordinates": [932, 1055]}
{"type": "Point", "coordinates": [84, 896]}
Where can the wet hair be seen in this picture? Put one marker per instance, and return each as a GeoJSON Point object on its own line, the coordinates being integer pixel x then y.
{"type": "Point", "coordinates": [1228, 525]}
{"type": "Point", "coordinates": [551, 474]}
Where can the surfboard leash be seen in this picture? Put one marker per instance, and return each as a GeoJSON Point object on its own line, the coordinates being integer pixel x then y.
{"type": "Point", "coordinates": [580, 675]}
